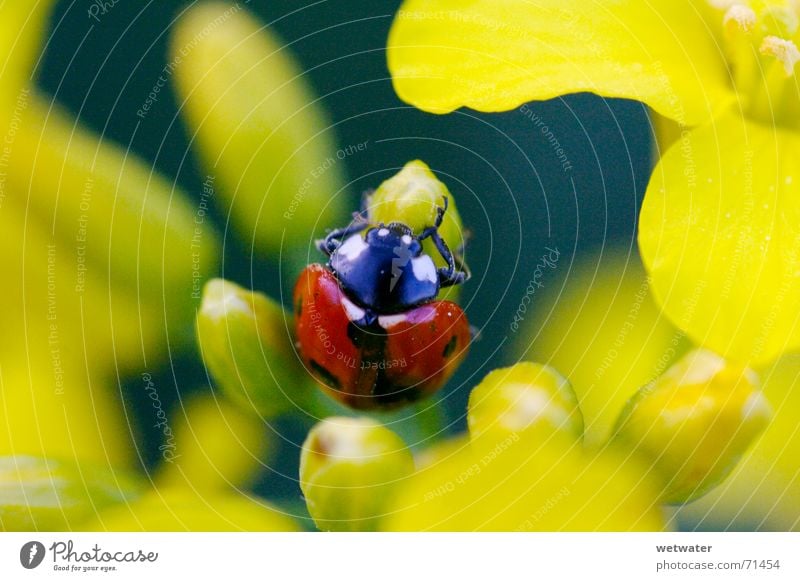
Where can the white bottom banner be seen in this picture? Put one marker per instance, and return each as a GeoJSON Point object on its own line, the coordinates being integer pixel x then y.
{"type": "Point", "coordinates": [356, 556]}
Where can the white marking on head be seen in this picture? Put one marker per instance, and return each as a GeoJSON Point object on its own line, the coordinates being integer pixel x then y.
{"type": "Point", "coordinates": [383, 232]}
{"type": "Point", "coordinates": [352, 247]}
{"type": "Point", "coordinates": [406, 239]}
{"type": "Point", "coordinates": [424, 268]}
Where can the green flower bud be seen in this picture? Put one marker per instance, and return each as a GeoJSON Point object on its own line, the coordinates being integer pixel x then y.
{"type": "Point", "coordinates": [246, 343]}
{"type": "Point", "coordinates": [259, 127]}
{"type": "Point", "coordinates": [413, 197]}
{"type": "Point", "coordinates": [526, 399]}
{"type": "Point", "coordinates": [695, 422]}
{"type": "Point", "coordinates": [39, 494]}
{"type": "Point", "coordinates": [349, 468]}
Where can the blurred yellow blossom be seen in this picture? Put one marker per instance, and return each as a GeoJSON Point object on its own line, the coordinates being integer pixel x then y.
{"type": "Point", "coordinates": [525, 486]}
{"type": "Point", "coordinates": [601, 328]}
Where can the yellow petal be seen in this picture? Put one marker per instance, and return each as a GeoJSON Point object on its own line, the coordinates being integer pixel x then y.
{"type": "Point", "coordinates": [38, 494]}
{"type": "Point", "coordinates": [117, 216]}
{"type": "Point", "coordinates": [257, 125]}
{"type": "Point", "coordinates": [494, 55]}
{"type": "Point", "coordinates": [179, 510]}
{"type": "Point", "coordinates": [719, 234]}
{"type": "Point", "coordinates": [53, 406]}
{"type": "Point", "coordinates": [519, 487]}
{"type": "Point", "coordinates": [22, 33]}
{"type": "Point", "coordinates": [61, 350]}
{"type": "Point", "coordinates": [52, 301]}
{"type": "Point", "coordinates": [215, 444]}
{"type": "Point", "coordinates": [600, 327]}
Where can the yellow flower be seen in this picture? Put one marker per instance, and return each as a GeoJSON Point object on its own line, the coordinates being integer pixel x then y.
{"type": "Point", "coordinates": [70, 302]}
{"type": "Point", "coordinates": [39, 494]}
{"type": "Point", "coordinates": [719, 231]}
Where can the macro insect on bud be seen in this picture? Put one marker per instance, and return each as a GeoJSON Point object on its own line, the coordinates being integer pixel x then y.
{"type": "Point", "coordinates": [369, 325]}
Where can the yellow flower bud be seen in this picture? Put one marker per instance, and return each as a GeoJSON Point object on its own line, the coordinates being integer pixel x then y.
{"type": "Point", "coordinates": [349, 468]}
{"type": "Point", "coordinates": [258, 126]}
{"type": "Point", "coordinates": [762, 493]}
{"type": "Point", "coordinates": [38, 494]}
{"type": "Point", "coordinates": [527, 400]}
{"type": "Point", "coordinates": [246, 343]}
{"type": "Point", "coordinates": [695, 422]}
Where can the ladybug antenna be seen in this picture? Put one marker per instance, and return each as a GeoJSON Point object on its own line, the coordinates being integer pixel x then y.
{"type": "Point", "coordinates": [334, 238]}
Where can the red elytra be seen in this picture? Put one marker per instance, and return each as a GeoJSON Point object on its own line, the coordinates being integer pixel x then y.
{"type": "Point", "coordinates": [398, 359]}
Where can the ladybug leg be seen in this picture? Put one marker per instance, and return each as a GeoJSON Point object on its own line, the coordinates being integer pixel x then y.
{"type": "Point", "coordinates": [334, 238]}
{"type": "Point", "coordinates": [463, 270]}
{"type": "Point", "coordinates": [440, 213]}
{"type": "Point", "coordinates": [452, 274]}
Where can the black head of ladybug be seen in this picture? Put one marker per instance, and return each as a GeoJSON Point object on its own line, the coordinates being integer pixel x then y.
{"type": "Point", "coordinates": [385, 270]}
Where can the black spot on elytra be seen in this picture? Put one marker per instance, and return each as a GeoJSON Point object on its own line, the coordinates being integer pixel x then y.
{"type": "Point", "coordinates": [355, 334]}
{"type": "Point", "coordinates": [371, 337]}
{"type": "Point", "coordinates": [388, 395]}
{"type": "Point", "coordinates": [325, 376]}
{"type": "Point", "coordinates": [298, 308]}
{"type": "Point", "coordinates": [450, 347]}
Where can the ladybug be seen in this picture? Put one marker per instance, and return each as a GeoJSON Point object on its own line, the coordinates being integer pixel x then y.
{"type": "Point", "coordinates": [368, 325]}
